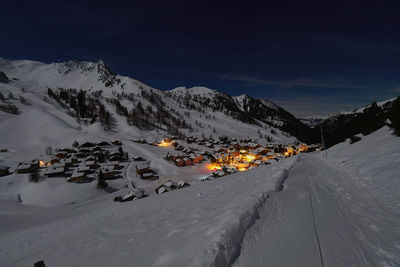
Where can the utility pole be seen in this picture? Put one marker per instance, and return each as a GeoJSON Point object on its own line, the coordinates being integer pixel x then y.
{"type": "Point", "coordinates": [323, 142]}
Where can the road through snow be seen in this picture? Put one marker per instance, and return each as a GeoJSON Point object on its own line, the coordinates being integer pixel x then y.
{"type": "Point", "coordinates": [322, 218]}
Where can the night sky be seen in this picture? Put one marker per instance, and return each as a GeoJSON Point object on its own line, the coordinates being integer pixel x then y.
{"type": "Point", "coordinates": [314, 58]}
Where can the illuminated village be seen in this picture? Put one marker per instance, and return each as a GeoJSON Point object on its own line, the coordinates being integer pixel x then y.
{"type": "Point", "coordinates": [232, 155]}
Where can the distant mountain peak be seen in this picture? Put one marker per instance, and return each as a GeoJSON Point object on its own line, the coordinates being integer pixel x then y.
{"type": "Point", "coordinates": [196, 90]}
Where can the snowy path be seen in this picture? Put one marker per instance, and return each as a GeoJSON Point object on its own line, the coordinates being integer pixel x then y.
{"type": "Point", "coordinates": [322, 218]}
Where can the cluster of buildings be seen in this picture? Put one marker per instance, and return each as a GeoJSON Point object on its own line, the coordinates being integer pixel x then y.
{"type": "Point", "coordinates": [170, 186]}
{"type": "Point", "coordinates": [80, 163]}
{"type": "Point", "coordinates": [230, 154]}
{"type": "Point", "coordinates": [188, 159]}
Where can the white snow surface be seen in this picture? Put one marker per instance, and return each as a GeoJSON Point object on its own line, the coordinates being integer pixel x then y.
{"type": "Point", "coordinates": [334, 209]}
{"type": "Point", "coordinates": [338, 208]}
{"type": "Point", "coordinates": [200, 225]}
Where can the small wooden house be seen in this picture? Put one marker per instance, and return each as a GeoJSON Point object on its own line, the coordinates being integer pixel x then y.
{"type": "Point", "coordinates": [83, 169]}
{"type": "Point", "coordinates": [54, 172]}
{"type": "Point", "coordinates": [114, 165]}
{"type": "Point", "coordinates": [103, 143]}
{"type": "Point", "coordinates": [179, 162]}
{"type": "Point", "coordinates": [77, 177]}
{"type": "Point", "coordinates": [106, 174]}
{"type": "Point", "coordinates": [116, 142]}
{"type": "Point", "coordinates": [198, 159]}
{"type": "Point", "coordinates": [92, 164]}
{"type": "Point", "coordinates": [167, 187]}
{"type": "Point", "coordinates": [26, 168]}
{"type": "Point", "coordinates": [61, 154]}
{"type": "Point", "coordinates": [187, 161]}
{"type": "Point", "coordinates": [88, 144]}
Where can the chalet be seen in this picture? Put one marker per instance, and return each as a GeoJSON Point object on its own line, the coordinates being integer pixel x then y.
{"type": "Point", "coordinates": [167, 187]}
{"type": "Point", "coordinates": [84, 150]}
{"type": "Point", "coordinates": [137, 158]}
{"type": "Point", "coordinates": [74, 159]}
{"type": "Point", "coordinates": [97, 148]}
{"type": "Point", "coordinates": [182, 184]}
{"type": "Point", "coordinates": [213, 158]}
{"type": "Point", "coordinates": [116, 142]}
{"type": "Point", "coordinates": [197, 159]}
{"type": "Point", "coordinates": [61, 154]}
{"type": "Point", "coordinates": [67, 150]}
{"type": "Point", "coordinates": [179, 162]}
{"type": "Point", "coordinates": [92, 164]}
{"type": "Point", "coordinates": [84, 169]}
{"type": "Point", "coordinates": [4, 170]}
{"type": "Point", "coordinates": [103, 143]}
{"type": "Point", "coordinates": [190, 139]}
{"type": "Point", "coordinates": [97, 154]}
{"type": "Point", "coordinates": [145, 172]}
{"type": "Point", "coordinates": [237, 146]}
{"type": "Point", "coordinates": [220, 150]}
{"type": "Point", "coordinates": [80, 154]}
{"type": "Point", "coordinates": [54, 161]}
{"type": "Point", "coordinates": [187, 161]}
{"type": "Point", "coordinates": [114, 153]}
{"type": "Point", "coordinates": [179, 148]}
{"type": "Point", "coordinates": [87, 144]}
{"type": "Point", "coordinates": [58, 165]}
{"type": "Point", "coordinates": [26, 168]}
{"type": "Point", "coordinates": [256, 162]}
{"type": "Point", "coordinates": [134, 194]}
{"type": "Point", "coordinates": [66, 162]}
{"type": "Point", "coordinates": [140, 168]}
{"type": "Point", "coordinates": [53, 172]}
{"type": "Point", "coordinates": [77, 177]}
{"type": "Point", "coordinates": [235, 154]}
{"type": "Point", "coordinates": [218, 173]}
{"type": "Point", "coordinates": [90, 158]}
{"type": "Point", "coordinates": [148, 176]}
{"type": "Point", "coordinates": [229, 169]}
{"type": "Point", "coordinates": [116, 157]}
{"type": "Point", "coordinates": [114, 165]}
{"type": "Point", "coordinates": [106, 174]}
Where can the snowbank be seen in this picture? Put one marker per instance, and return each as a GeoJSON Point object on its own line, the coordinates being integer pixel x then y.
{"type": "Point", "coordinates": [200, 225]}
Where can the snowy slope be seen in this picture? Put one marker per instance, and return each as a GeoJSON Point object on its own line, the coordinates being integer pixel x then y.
{"type": "Point", "coordinates": [31, 80]}
{"type": "Point", "coordinates": [324, 214]}
{"type": "Point", "coordinates": [342, 211]}
{"type": "Point", "coordinates": [336, 208]}
{"type": "Point", "coordinates": [200, 225]}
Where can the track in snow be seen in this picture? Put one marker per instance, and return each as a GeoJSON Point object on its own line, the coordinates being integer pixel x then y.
{"type": "Point", "coordinates": [321, 218]}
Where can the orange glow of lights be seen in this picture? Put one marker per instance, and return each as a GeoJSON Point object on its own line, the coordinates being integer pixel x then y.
{"type": "Point", "coordinates": [242, 169]}
{"type": "Point", "coordinates": [303, 148]}
{"type": "Point", "coordinates": [249, 158]}
{"type": "Point", "coordinates": [213, 167]}
{"type": "Point", "coordinates": [163, 143]}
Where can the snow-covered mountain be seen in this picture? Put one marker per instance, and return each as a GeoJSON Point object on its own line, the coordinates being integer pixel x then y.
{"type": "Point", "coordinates": [334, 207]}
{"type": "Point", "coordinates": [314, 120]}
{"type": "Point", "coordinates": [363, 120]}
{"type": "Point", "coordinates": [87, 97]}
